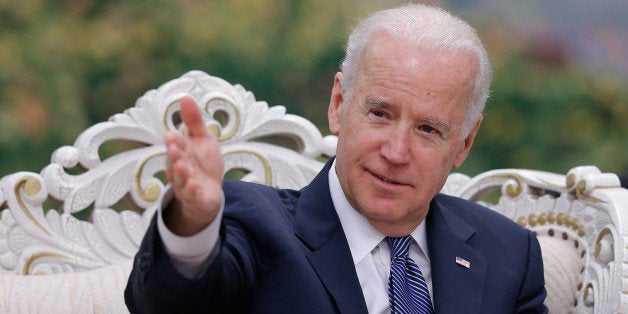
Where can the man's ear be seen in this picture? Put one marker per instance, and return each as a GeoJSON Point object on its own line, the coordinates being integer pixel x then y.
{"type": "Point", "coordinates": [334, 112]}
{"type": "Point", "coordinates": [467, 143]}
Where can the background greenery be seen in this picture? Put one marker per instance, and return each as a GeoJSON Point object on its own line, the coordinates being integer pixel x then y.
{"type": "Point", "coordinates": [65, 65]}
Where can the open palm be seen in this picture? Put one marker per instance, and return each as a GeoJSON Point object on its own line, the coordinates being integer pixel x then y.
{"type": "Point", "coordinates": [195, 171]}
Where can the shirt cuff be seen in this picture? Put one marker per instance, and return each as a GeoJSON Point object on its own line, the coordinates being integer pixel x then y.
{"type": "Point", "coordinates": [192, 255]}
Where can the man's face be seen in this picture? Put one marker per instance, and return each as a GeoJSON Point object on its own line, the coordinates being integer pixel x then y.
{"type": "Point", "coordinates": [401, 131]}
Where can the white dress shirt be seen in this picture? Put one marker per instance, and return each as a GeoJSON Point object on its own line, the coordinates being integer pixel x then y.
{"type": "Point", "coordinates": [370, 251]}
{"type": "Point", "coordinates": [191, 256]}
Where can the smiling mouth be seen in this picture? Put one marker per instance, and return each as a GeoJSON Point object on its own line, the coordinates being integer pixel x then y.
{"type": "Point", "coordinates": [386, 180]}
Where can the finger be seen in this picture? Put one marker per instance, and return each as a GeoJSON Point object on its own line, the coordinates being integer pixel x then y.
{"type": "Point", "coordinates": [171, 137]}
{"type": "Point", "coordinates": [179, 146]}
{"type": "Point", "coordinates": [180, 176]}
{"type": "Point", "coordinates": [175, 152]}
{"type": "Point", "coordinates": [176, 144]}
{"type": "Point", "coordinates": [174, 177]}
{"type": "Point", "coordinates": [192, 118]}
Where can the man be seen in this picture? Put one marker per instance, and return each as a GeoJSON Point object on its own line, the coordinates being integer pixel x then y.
{"type": "Point", "coordinates": [406, 108]}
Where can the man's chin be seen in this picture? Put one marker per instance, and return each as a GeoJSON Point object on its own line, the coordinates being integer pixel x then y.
{"type": "Point", "coordinates": [383, 215]}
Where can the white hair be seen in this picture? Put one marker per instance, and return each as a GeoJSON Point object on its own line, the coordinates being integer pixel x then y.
{"type": "Point", "coordinates": [424, 26]}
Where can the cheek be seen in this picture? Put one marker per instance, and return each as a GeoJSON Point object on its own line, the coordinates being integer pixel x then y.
{"type": "Point", "coordinates": [432, 163]}
{"type": "Point", "coordinates": [366, 143]}
{"type": "Point", "coordinates": [351, 146]}
{"type": "Point", "coordinates": [353, 137]}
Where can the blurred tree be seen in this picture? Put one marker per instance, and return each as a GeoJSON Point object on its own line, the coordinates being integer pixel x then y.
{"type": "Point", "coordinates": [65, 65]}
{"type": "Point", "coordinates": [546, 112]}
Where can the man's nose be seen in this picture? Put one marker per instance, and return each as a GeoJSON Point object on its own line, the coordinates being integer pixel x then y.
{"type": "Point", "coordinates": [396, 147]}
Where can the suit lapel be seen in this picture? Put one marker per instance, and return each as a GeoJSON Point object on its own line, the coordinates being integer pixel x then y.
{"type": "Point", "coordinates": [318, 226]}
{"type": "Point", "coordinates": [456, 288]}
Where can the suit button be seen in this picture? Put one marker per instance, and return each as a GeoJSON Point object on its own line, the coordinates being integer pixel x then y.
{"type": "Point", "coordinates": [145, 262]}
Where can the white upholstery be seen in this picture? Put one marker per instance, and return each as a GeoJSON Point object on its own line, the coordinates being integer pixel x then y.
{"type": "Point", "coordinates": [95, 291]}
{"type": "Point", "coordinates": [581, 221]}
{"type": "Point", "coordinates": [52, 262]}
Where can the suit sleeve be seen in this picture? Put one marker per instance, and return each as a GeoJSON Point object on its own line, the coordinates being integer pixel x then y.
{"type": "Point", "coordinates": [191, 256]}
{"type": "Point", "coordinates": [532, 292]}
{"type": "Point", "coordinates": [156, 286]}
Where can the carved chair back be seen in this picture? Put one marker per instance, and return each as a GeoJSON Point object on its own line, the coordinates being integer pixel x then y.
{"type": "Point", "coordinates": [52, 261]}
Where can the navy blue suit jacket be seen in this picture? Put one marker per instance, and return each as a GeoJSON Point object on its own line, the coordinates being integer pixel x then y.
{"type": "Point", "coordinates": [284, 251]}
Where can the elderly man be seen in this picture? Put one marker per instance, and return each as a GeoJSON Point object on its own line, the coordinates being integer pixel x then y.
{"type": "Point", "coordinates": [370, 233]}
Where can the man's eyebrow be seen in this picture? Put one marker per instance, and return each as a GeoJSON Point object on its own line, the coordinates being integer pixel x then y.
{"type": "Point", "coordinates": [382, 104]}
{"type": "Point", "coordinates": [438, 123]}
{"type": "Point", "coordinates": [377, 102]}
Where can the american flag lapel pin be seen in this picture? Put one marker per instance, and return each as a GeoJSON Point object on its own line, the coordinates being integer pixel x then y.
{"type": "Point", "coordinates": [463, 262]}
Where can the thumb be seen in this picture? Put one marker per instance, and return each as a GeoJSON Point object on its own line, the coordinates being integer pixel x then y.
{"type": "Point", "coordinates": [192, 118]}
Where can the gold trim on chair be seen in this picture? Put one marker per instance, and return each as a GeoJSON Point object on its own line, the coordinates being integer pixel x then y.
{"type": "Point", "coordinates": [31, 186]}
{"type": "Point", "coordinates": [268, 180]}
{"type": "Point", "coordinates": [236, 113]}
{"type": "Point", "coordinates": [152, 192]}
{"type": "Point", "coordinates": [32, 258]}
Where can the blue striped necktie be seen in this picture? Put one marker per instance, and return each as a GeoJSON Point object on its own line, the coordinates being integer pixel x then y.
{"type": "Point", "coordinates": [407, 290]}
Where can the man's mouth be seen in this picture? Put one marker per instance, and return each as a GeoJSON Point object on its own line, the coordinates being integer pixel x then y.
{"type": "Point", "coordinates": [386, 180]}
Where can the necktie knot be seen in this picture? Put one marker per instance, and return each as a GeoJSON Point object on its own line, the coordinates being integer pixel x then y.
{"type": "Point", "coordinates": [399, 246]}
{"type": "Point", "coordinates": [407, 289]}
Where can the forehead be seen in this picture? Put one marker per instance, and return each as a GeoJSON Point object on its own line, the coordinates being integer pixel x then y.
{"type": "Point", "coordinates": [431, 84]}
{"type": "Point", "coordinates": [398, 58]}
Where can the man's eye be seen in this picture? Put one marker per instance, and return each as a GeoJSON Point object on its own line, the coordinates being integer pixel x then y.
{"type": "Point", "coordinates": [379, 114]}
{"type": "Point", "coordinates": [427, 129]}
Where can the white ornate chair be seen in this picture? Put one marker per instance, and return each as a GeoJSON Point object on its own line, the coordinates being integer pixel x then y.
{"type": "Point", "coordinates": [51, 261]}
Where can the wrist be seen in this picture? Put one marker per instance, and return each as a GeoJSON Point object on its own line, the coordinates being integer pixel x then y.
{"type": "Point", "coordinates": [183, 222]}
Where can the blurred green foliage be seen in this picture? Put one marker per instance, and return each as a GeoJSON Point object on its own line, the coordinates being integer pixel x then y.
{"type": "Point", "coordinates": [65, 65]}
{"type": "Point", "coordinates": [553, 118]}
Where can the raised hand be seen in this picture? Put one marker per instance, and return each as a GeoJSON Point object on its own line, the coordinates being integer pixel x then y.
{"type": "Point", "coordinates": [195, 171]}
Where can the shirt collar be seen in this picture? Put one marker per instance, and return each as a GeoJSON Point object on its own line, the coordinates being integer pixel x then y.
{"type": "Point", "coordinates": [361, 236]}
